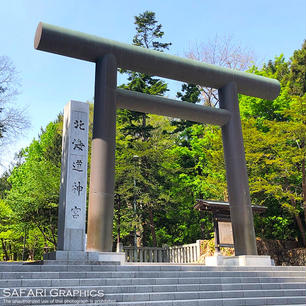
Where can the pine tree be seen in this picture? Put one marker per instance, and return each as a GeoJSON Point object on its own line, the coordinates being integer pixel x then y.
{"type": "Point", "coordinates": [148, 36]}
{"type": "Point", "coordinates": [143, 180]}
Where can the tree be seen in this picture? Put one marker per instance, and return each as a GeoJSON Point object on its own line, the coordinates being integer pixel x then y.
{"type": "Point", "coordinates": [261, 109]}
{"type": "Point", "coordinates": [190, 93]}
{"type": "Point", "coordinates": [298, 72]}
{"type": "Point", "coordinates": [136, 128]}
{"type": "Point", "coordinates": [18, 240]}
{"type": "Point", "coordinates": [292, 76]}
{"type": "Point", "coordinates": [199, 154]}
{"type": "Point", "coordinates": [142, 178]}
{"type": "Point", "coordinates": [12, 119]}
{"type": "Point", "coordinates": [148, 36]}
{"type": "Point", "coordinates": [34, 192]}
{"type": "Point", "coordinates": [224, 52]}
{"type": "Point", "coordinates": [274, 133]}
{"type": "Point", "coordinates": [7, 235]}
{"type": "Point", "coordinates": [149, 32]}
{"type": "Point", "coordinates": [276, 163]}
{"type": "Point", "coordinates": [5, 186]}
{"type": "Point", "coordinates": [199, 173]}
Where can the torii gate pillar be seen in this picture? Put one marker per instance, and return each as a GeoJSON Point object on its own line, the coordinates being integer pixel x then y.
{"type": "Point", "coordinates": [236, 174]}
{"type": "Point", "coordinates": [102, 173]}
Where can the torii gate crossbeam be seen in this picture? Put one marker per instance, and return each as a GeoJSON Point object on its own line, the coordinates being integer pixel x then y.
{"type": "Point", "coordinates": [108, 56]}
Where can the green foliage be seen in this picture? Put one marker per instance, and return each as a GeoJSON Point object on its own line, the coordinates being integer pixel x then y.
{"type": "Point", "coordinates": [11, 233]}
{"type": "Point", "coordinates": [148, 32]}
{"type": "Point", "coordinates": [198, 173]}
{"type": "Point", "coordinates": [275, 158]}
{"type": "Point", "coordinates": [139, 178]}
{"type": "Point", "coordinates": [148, 36]}
{"type": "Point", "coordinates": [202, 163]}
{"type": "Point", "coordinates": [261, 109]}
{"type": "Point", "coordinates": [35, 185]}
{"type": "Point", "coordinates": [277, 69]}
{"type": "Point", "coordinates": [297, 78]}
{"type": "Point", "coordinates": [274, 134]}
{"type": "Point", "coordinates": [275, 227]}
{"type": "Point", "coordinates": [5, 186]}
{"type": "Point", "coordinates": [189, 93]}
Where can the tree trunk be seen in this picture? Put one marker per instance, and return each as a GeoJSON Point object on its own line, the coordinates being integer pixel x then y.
{"type": "Point", "coordinates": [46, 238]}
{"type": "Point", "coordinates": [53, 237]}
{"type": "Point", "coordinates": [299, 223]}
{"type": "Point", "coordinates": [301, 228]}
{"type": "Point", "coordinates": [139, 228]}
{"type": "Point", "coordinates": [152, 227]}
{"type": "Point", "coordinates": [43, 233]}
{"type": "Point", "coordinates": [4, 250]}
{"type": "Point", "coordinates": [118, 221]}
{"type": "Point", "coordinates": [24, 244]}
{"type": "Point", "coordinates": [11, 256]}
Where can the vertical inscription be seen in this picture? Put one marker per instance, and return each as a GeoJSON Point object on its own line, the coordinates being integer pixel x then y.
{"type": "Point", "coordinates": [76, 189]}
{"type": "Point", "coordinates": [72, 212]}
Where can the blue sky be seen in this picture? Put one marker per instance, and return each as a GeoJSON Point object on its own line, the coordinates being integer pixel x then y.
{"type": "Point", "coordinates": [268, 27]}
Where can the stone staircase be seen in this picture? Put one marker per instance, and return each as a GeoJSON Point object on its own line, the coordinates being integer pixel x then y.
{"type": "Point", "coordinates": [109, 283]}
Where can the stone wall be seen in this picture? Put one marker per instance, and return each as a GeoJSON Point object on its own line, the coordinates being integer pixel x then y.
{"type": "Point", "coordinates": [294, 257]}
{"type": "Point", "coordinates": [284, 253]}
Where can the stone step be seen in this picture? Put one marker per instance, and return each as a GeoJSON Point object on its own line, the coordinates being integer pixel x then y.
{"type": "Point", "coordinates": [159, 284]}
{"type": "Point", "coordinates": [194, 295]}
{"type": "Point", "coordinates": [202, 287]}
{"type": "Point", "coordinates": [72, 262]}
{"type": "Point", "coordinates": [207, 268]}
{"type": "Point", "coordinates": [223, 302]}
{"type": "Point", "coordinates": [152, 266]}
{"type": "Point", "coordinates": [167, 266]}
{"type": "Point", "coordinates": [44, 297]}
{"type": "Point", "coordinates": [47, 282]}
{"type": "Point", "coordinates": [262, 301]}
{"type": "Point", "coordinates": [129, 268]}
{"type": "Point", "coordinates": [25, 291]}
{"type": "Point", "coordinates": [212, 268]}
{"type": "Point", "coordinates": [170, 288]}
{"type": "Point", "coordinates": [92, 304]}
{"type": "Point", "coordinates": [77, 271]}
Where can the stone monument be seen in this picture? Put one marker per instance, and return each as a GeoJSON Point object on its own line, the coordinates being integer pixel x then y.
{"type": "Point", "coordinates": [72, 205]}
{"type": "Point", "coordinates": [71, 244]}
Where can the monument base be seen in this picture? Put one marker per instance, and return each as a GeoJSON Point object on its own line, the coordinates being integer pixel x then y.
{"type": "Point", "coordinates": [85, 256]}
{"type": "Point", "coordinates": [239, 261]}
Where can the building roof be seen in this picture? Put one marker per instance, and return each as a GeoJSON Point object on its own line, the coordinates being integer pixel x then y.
{"type": "Point", "coordinates": [219, 206]}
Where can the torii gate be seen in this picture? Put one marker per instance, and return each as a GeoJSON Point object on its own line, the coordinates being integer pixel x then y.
{"type": "Point", "coordinates": [110, 55]}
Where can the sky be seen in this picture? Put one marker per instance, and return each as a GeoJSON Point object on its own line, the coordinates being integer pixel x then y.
{"type": "Point", "coordinates": [49, 81]}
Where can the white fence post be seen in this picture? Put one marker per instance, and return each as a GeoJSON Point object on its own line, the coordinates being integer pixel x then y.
{"type": "Point", "coordinates": [198, 243]}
